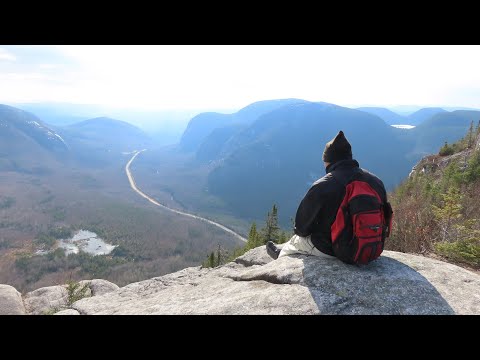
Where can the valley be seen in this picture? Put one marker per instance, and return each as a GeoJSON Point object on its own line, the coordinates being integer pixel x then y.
{"type": "Point", "coordinates": [153, 201]}
{"type": "Point", "coordinates": [167, 208]}
{"type": "Point", "coordinates": [148, 240]}
{"type": "Point", "coordinates": [87, 188]}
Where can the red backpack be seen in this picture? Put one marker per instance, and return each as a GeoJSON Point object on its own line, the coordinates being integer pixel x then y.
{"type": "Point", "coordinates": [362, 223]}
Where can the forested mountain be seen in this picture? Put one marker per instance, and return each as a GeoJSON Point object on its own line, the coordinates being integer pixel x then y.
{"type": "Point", "coordinates": [107, 132]}
{"type": "Point", "coordinates": [421, 115]}
{"type": "Point", "coordinates": [279, 156]}
{"type": "Point", "coordinates": [27, 143]}
{"type": "Point", "coordinates": [203, 124]}
{"type": "Point", "coordinates": [100, 141]}
{"type": "Point", "coordinates": [390, 117]}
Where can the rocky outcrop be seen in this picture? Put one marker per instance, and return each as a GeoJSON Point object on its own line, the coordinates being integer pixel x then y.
{"type": "Point", "coordinates": [55, 299]}
{"type": "Point", "coordinates": [396, 283]}
{"type": "Point", "coordinates": [47, 299]}
{"type": "Point", "coordinates": [10, 301]}
{"type": "Point", "coordinates": [431, 163]}
{"type": "Point", "coordinates": [100, 286]}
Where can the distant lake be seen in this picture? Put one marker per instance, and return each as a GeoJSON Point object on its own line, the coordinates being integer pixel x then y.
{"type": "Point", "coordinates": [408, 127]}
{"type": "Point", "coordinates": [84, 240]}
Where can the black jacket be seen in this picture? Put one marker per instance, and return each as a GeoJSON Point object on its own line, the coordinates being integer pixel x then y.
{"type": "Point", "coordinates": [318, 209]}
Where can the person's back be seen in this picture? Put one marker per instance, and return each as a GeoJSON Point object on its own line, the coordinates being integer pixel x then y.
{"type": "Point", "coordinates": [316, 216]}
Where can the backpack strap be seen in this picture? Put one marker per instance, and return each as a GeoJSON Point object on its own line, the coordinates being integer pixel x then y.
{"type": "Point", "coordinates": [388, 213]}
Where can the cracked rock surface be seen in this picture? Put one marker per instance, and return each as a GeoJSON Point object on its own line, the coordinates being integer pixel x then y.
{"type": "Point", "coordinates": [396, 283]}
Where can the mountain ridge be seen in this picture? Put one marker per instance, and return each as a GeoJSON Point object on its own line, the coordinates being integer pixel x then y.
{"type": "Point", "coordinates": [424, 114]}
{"type": "Point", "coordinates": [27, 144]}
{"type": "Point", "coordinates": [201, 125]}
{"type": "Point", "coordinates": [107, 133]}
{"type": "Point", "coordinates": [389, 116]}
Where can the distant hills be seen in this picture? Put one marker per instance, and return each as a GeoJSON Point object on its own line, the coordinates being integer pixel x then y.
{"type": "Point", "coordinates": [61, 114]}
{"type": "Point", "coordinates": [107, 133]}
{"type": "Point", "coordinates": [392, 118]}
{"type": "Point", "coordinates": [16, 121]}
{"type": "Point", "coordinates": [267, 152]}
{"type": "Point", "coordinates": [164, 126]}
{"type": "Point", "coordinates": [99, 141]}
{"type": "Point", "coordinates": [386, 115]}
{"type": "Point", "coordinates": [406, 110]}
{"type": "Point", "coordinates": [421, 115]}
{"type": "Point", "coordinates": [26, 143]}
{"type": "Point", "coordinates": [203, 124]}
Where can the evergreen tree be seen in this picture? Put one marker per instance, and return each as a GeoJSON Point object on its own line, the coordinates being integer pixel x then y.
{"type": "Point", "coordinates": [211, 260]}
{"type": "Point", "coordinates": [478, 127]}
{"type": "Point", "coordinates": [274, 223]}
{"type": "Point", "coordinates": [271, 230]}
{"type": "Point", "coordinates": [446, 150]}
{"type": "Point", "coordinates": [470, 135]}
{"type": "Point", "coordinates": [218, 256]}
{"type": "Point", "coordinates": [253, 237]}
{"type": "Point", "coordinates": [448, 212]}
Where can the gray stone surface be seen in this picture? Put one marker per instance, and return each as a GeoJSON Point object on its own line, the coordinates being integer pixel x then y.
{"type": "Point", "coordinates": [10, 301]}
{"type": "Point", "coordinates": [67, 312]}
{"type": "Point", "coordinates": [54, 299]}
{"type": "Point", "coordinates": [46, 299]}
{"type": "Point", "coordinates": [101, 287]}
{"type": "Point", "coordinates": [257, 256]}
{"type": "Point", "coordinates": [396, 283]}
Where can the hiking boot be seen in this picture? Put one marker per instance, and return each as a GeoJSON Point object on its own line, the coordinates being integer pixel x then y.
{"type": "Point", "coordinates": [272, 250]}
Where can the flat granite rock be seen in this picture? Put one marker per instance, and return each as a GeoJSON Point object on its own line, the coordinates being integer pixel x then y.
{"type": "Point", "coordinates": [396, 283]}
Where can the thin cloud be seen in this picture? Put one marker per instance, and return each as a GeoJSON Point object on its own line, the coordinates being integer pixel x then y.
{"type": "Point", "coordinates": [6, 55]}
{"type": "Point", "coordinates": [23, 76]}
{"type": "Point", "coordinates": [48, 66]}
{"type": "Point", "coordinates": [194, 77]}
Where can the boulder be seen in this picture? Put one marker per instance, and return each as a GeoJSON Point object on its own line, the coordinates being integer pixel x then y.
{"type": "Point", "coordinates": [54, 299]}
{"type": "Point", "coordinates": [46, 300]}
{"type": "Point", "coordinates": [10, 301]}
{"type": "Point", "coordinates": [101, 287]}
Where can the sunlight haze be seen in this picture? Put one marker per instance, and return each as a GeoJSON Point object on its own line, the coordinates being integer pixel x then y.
{"type": "Point", "coordinates": [162, 77]}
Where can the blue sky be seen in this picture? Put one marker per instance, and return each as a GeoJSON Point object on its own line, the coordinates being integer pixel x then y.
{"type": "Point", "coordinates": [230, 77]}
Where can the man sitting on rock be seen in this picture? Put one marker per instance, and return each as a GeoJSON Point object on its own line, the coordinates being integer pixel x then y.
{"type": "Point", "coordinates": [318, 209]}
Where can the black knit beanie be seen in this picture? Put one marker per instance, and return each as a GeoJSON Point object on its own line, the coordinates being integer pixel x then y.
{"type": "Point", "coordinates": [337, 149]}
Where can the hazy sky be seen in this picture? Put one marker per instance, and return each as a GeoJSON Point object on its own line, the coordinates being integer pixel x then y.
{"type": "Point", "coordinates": [230, 77]}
